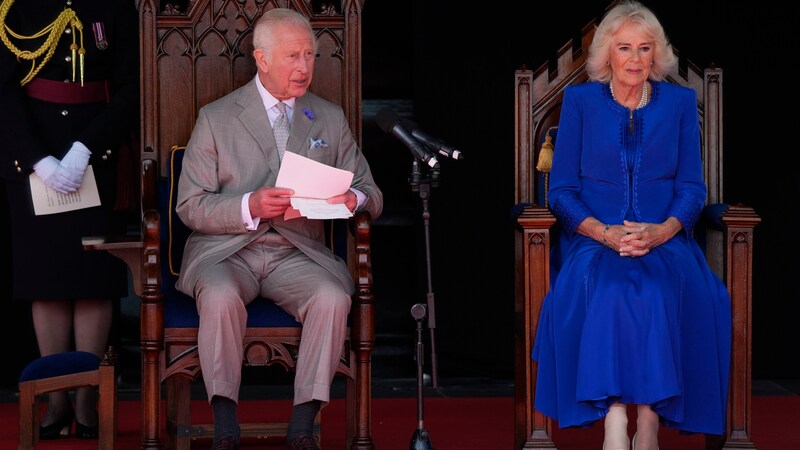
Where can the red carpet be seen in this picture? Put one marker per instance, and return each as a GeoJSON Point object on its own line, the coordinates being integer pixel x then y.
{"type": "Point", "coordinates": [453, 424]}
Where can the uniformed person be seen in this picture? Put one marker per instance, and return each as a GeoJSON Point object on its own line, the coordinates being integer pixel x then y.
{"type": "Point", "coordinates": [69, 96]}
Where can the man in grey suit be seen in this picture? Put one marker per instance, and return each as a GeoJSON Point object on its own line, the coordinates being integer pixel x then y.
{"type": "Point", "coordinates": [242, 247]}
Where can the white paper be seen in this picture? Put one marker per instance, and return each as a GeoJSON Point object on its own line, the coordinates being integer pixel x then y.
{"type": "Point", "coordinates": [313, 183]}
{"type": "Point", "coordinates": [314, 208]}
{"type": "Point", "coordinates": [312, 179]}
{"type": "Point", "coordinates": [49, 201]}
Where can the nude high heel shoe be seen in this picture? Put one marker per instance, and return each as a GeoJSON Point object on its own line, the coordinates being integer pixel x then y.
{"type": "Point", "coordinates": [633, 444]}
{"type": "Point", "coordinates": [627, 446]}
{"type": "Point", "coordinates": [616, 426]}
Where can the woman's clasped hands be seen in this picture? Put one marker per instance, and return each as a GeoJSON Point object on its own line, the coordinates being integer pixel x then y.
{"type": "Point", "coordinates": [637, 238]}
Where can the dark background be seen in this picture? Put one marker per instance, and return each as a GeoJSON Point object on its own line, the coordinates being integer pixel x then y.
{"type": "Point", "coordinates": [450, 68]}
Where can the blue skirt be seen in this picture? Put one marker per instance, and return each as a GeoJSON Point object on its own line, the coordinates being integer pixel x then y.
{"type": "Point", "coordinates": [648, 330]}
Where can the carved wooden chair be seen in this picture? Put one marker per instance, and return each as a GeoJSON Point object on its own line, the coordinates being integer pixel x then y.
{"type": "Point", "coordinates": [193, 52]}
{"type": "Point", "coordinates": [728, 233]}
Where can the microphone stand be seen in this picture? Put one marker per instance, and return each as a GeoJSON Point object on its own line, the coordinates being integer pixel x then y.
{"type": "Point", "coordinates": [423, 185]}
{"type": "Point", "coordinates": [421, 438]}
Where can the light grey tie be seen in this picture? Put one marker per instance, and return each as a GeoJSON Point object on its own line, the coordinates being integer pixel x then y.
{"type": "Point", "coordinates": [281, 129]}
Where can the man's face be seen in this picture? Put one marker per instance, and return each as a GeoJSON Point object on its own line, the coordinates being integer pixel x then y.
{"type": "Point", "coordinates": [287, 67]}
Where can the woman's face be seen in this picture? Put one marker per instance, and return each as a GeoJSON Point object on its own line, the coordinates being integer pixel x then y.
{"type": "Point", "coordinates": [632, 53]}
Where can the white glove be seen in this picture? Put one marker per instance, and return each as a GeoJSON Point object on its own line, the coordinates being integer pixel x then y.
{"type": "Point", "coordinates": [75, 161]}
{"type": "Point", "coordinates": [53, 174]}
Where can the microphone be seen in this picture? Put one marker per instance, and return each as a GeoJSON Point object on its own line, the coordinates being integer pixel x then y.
{"type": "Point", "coordinates": [432, 142]}
{"type": "Point", "coordinates": [389, 122]}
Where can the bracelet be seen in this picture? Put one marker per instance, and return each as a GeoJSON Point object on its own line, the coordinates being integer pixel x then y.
{"type": "Point", "coordinates": [605, 228]}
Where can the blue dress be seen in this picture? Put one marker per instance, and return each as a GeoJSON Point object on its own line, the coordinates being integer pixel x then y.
{"type": "Point", "coordinates": [651, 330]}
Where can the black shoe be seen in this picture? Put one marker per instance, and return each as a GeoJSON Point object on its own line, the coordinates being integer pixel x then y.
{"type": "Point", "coordinates": [85, 431]}
{"type": "Point", "coordinates": [226, 443]}
{"type": "Point", "coordinates": [58, 429]}
{"type": "Point", "coordinates": [303, 442]}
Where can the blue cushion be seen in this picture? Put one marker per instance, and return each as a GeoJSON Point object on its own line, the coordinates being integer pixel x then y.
{"type": "Point", "coordinates": [173, 232]}
{"type": "Point", "coordinates": [180, 311]}
{"type": "Point", "coordinates": [710, 219]}
{"type": "Point", "coordinates": [712, 215]}
{"type": "Point", "coordinates": [59, 364]}
{"type": "Point", "coordinates": [517, 209]}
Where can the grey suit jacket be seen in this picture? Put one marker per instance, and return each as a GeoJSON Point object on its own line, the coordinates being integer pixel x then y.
{"type": "Point", "coordinates": [232, 151]}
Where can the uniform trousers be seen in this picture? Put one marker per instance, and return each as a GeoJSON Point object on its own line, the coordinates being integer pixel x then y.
{"type": "Point", "coordinates": [271, 267]}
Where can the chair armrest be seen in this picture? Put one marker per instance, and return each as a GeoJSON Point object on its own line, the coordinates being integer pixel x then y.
{"type": "Point", "coordinates": [361, 226]}
{"type": "Point", "coordinates": [740, 216]}
{"type": "Point", "coordinates": [530, 216]}
{"type": "Point", "coordinates": [363, 308]}
{"type": "Point", "coordinates": [140, 253]}
{"type": "Point", "coordinates": [739, 222]}
{"type": "Point", "coordinates": [126, 248]}
{"type": "Point", "coordinates": [736, 247]}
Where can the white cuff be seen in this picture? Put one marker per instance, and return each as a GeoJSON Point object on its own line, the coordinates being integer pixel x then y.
{"type": "Point", "coordinates": [249, 222]}
{"type": "Point", "coordinates": [80, 148]}
{"type": "Point", "coordinates": [46, 167]}
{"type": "Point", "coordinates": [360, 197]}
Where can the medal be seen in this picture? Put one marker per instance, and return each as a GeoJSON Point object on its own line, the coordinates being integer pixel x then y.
{"type": "Point", "coordinates": [99, 31]}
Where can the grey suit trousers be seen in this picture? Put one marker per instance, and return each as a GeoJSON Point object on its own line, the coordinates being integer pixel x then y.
{"type": "Point", "coordinates": [271, 267]}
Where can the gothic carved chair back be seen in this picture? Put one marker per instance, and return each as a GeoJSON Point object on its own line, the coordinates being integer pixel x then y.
{"type": "Point", "coordinates": [727, 229]}
{"type": "Point", "coordinates": [193, 52]}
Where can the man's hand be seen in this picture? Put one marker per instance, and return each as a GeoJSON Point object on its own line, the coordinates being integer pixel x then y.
{"type": "Point", "coordinates": [268, 202]}
{"type": "Point", "coordinates": [348, 198]}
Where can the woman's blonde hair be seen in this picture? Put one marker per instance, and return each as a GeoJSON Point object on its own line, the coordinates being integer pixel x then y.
{"type": "Point", "coordinates": [633, 12]}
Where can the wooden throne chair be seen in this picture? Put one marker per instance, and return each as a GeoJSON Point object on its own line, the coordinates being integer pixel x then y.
{"type": "Point", "coordinates": [726, 231]}
{"type": "Point", "coordinates": [193, 52]}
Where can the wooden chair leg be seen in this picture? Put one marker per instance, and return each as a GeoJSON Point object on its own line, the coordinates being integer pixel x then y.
{"type": "Point", "coordinates": [179, 418]}
{"type": "Point", "coordinates": [107, 407]}
{"type": "Point", "coordinates": [28, 417]}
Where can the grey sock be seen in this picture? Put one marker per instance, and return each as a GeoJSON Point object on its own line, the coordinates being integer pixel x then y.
{"type": "Point", "coordinates": [226, 421]}
{"type": "Point", "coordinates": [302, 421]}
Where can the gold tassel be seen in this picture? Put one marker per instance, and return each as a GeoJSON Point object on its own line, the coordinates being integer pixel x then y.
{"type": "Point", "coordinates": [545, 162]}
{"type": "Point", "coordinates": [82, 52]}
{"type": "Point", "coordinates": [73, 48]}
{"type": "Point", "coordinates": [76, 24]}
{"type": "Point", "coordinates": [53, 32]}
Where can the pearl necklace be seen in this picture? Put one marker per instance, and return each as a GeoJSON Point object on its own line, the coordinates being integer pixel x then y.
{"type": "Point", "coordinates": [642, 101]}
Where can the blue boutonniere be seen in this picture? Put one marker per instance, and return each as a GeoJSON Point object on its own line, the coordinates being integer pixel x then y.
{"type": "Point", "coordinates": [317, 143]}
{"type": "Point", "coordinates": [308, 113]}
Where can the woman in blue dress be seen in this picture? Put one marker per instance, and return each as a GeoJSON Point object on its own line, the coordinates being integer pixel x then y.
{"type": "Point", "coordinates": [634, 315]}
